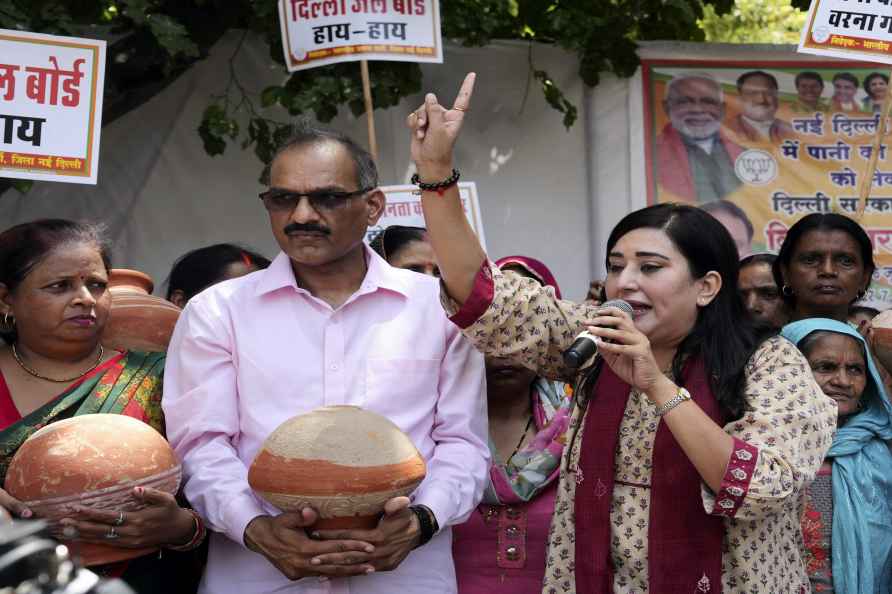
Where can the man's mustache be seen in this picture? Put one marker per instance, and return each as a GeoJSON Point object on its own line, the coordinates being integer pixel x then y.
{"type": "Point", "coordinates": [305, 228]}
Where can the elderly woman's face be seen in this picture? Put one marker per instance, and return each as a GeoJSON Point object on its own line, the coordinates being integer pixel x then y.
{"type": "Point", "coordinates": [64, 298]}
{"type": "Point", "coordinates": [826, 271]}
{"type": "Point", "coordinates": [647, 271]}
{"type": "Point", "coordinates": [837, 362]}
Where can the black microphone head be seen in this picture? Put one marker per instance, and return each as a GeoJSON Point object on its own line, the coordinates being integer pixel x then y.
{"type": "Point", "coordinates": [580, 351]}
{"type": "Point", "coordinates": [618, 304]}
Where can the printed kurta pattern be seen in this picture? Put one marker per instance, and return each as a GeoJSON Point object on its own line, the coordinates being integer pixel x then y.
{"type": "Point", "coordinates": [780, 444]}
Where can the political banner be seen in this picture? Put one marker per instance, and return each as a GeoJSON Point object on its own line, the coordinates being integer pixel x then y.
{"type": "Point", "coordinates": [50, 106]}
{"type": "Point", "coordinates": [777, 140]}
{"type": "Point", "coordinates": [404, 208]}
{"type": "Point", "coordinates": [844, 29]}
{"type": "Point", "coordinates": [319, 32]}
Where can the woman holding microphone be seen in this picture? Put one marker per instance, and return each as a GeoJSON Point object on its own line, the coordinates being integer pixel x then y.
{"type": "Point", "coordinates": [691, 439]}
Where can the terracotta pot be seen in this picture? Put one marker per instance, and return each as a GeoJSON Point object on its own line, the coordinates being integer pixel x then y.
{"type": "Point", "coordinates": [138, 321]}
{"type": "Point", "coordinates": [93, 461]}
{"type": "Point", "coordinates": [881, 338]}
{"type": "Point", "coordinates": [343, 461]}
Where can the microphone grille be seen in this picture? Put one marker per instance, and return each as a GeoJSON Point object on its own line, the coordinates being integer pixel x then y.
{"type": "Point", "coordinates": [619, 304]}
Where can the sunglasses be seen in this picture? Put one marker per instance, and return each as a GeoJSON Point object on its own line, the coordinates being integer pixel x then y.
{"type": "Point", "coordinates": [276, 200]}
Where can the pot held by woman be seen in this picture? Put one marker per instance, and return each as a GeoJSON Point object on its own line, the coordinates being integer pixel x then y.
{"type": "Point", "coordinates": [54, 304]}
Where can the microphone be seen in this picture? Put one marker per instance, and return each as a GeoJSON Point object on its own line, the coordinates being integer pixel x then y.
{"type": "Point", "coordinates": [584, 346]}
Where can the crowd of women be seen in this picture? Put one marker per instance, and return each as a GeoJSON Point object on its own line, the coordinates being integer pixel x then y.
{"type": "Point", "coordinates": [730, 435]}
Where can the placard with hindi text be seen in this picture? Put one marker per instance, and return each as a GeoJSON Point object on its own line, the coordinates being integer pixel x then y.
{"type": "Point", "coordinates": [50, 106]}
{"type": "Point", "coordinates": [319, 32]}
{"type": "Point", "coordinates": [853, 29]}
{"type": "Point", "coordinates": [404, 208]}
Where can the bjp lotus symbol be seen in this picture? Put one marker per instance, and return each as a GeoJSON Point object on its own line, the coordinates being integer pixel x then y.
{"type": "Point", "coordinates": [755, 167]}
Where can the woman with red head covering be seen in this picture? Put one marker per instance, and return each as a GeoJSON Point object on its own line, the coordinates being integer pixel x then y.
{"type": "Point", "coordinates": [502, 545]}
{"type": "Point", "coordinates": [531, 268]}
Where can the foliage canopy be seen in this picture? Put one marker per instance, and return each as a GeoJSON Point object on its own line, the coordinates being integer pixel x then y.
{"type": "Point", "coordinates": [151, 41]}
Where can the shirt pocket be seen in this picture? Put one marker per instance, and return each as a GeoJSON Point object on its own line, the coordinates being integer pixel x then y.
{"type": "Point", "coordinates": [403, 390]}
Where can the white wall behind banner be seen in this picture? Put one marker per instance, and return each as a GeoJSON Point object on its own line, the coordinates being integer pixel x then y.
{"type": "Point", "coordinates": [544, 192]}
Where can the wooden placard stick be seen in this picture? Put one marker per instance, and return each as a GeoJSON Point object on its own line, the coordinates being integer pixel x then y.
{"type": "Point", "coordinates": [369, 108]}
{"type": "Point", "coordinates": [867, 180]}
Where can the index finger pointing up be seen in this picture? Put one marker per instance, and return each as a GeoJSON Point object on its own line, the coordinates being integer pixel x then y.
{"type": "Point", "coordinates": [463, 99]}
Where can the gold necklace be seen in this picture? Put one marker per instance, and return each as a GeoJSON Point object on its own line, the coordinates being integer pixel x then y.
{"type": "Point", "coordinates": [18, 359]}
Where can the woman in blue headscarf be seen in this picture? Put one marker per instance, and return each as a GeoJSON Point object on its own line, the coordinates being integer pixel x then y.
{"type": "Point", "coordinates": [847, 524]}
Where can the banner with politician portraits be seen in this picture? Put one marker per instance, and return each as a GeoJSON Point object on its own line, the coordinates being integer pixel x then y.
{"type": "Point", "coordinates": [777, 139]}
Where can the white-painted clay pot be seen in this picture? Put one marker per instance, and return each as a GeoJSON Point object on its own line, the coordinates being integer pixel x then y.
{"type": "Point", "coordinates": [343, 461]}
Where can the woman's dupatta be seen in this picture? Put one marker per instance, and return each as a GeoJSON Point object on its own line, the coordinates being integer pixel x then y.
{"type": "Point", "coordinates": [127, 384]}
{"type": "Point", "coordinates": [684, 543]}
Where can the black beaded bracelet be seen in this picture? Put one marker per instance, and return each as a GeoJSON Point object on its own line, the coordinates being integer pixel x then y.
{"type": "Point", "coordinates": [437, 187]}
{"type": "Point", "coordinates": [426, 522]}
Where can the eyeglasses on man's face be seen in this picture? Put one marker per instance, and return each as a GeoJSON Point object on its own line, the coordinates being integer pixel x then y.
{"type": "Point", "coordinates": [279, 200]}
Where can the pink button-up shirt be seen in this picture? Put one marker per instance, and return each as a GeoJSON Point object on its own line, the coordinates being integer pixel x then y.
{"type": "Point", "coordinates": [249, 353]}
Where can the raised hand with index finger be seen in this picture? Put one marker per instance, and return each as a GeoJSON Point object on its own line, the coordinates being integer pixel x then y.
{"type": "Point", "coordinates": [435, 129]}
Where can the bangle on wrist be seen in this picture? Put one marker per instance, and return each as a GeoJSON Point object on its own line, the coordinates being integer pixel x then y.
{"type": "Point", "coordinates": [197, 537]}
{"type": "Point", "coordinates": [438, 187]}
{"type": "Point", "coordinates": [427, 523]}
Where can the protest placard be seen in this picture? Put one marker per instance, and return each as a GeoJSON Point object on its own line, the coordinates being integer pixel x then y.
{"type": "Point", "coordinates": [404, 208]}
{"type": "Point", "coordinates": [50, 106]}
{"type": "Point", "coordinates": [844, 29]}
{"type": "Point", "coordinates": [319, 32]}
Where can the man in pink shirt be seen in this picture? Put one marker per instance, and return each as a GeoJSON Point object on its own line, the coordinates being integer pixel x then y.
{"type": "Point", "coordinates": [329, 322]}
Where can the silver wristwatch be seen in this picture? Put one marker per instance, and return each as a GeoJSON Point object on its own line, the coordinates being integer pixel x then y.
{"type": "Point", "coordinates": [679, 397]}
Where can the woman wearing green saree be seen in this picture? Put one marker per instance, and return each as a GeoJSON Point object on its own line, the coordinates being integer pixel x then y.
{"type": "Point", "coordinates": [54, 303]}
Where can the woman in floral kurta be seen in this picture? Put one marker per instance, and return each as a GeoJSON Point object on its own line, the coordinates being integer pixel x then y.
{"type": "Point", "coordinates": [751, 431]}
{"type": "Point", "coordinates": [784, 437]}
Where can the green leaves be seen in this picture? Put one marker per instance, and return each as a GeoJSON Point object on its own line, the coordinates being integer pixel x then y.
{"type": "Point", "coordinates": [601, 34]}
{"type": "Point", "coordinates": [755, 21]}
{"type": "Point", "coordinates": [319, 93]}
{"type": "Point", "coordinates": [11, 17]}
{"type": "Point", "coordinates": [555, 98]}
{"type": "Point", "coordinates": [171, 35]}
{"type": "Point", "coordinates": [216, 126]}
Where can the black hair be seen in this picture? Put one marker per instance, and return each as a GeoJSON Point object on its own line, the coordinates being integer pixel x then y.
{"type": "Point", "coordinates": [722, 335]}
{"type": "Point", "coordinates": [848, 76]}
{"type": "Point", "coordinates": [306, 133]}
{"type": "Point", "coordinates": [753, 259]}
{"type": "Point", "coordinates": [748, 75]}
{"type": "Point", "coordinates": [392, 239]}
{"type": "Point", "coordinates": [854, 310]}
{"type": "Point", "coordinates": [808, 74]}
{"type": "Point", "coordinates": [869, 78]}
{"type": "Point", "coordinates": [199, 269]}
{"type": "Point", "coordinates": [24, 246]}
{"type": "Point", "coordinates": [732, 209]}
{"type": "Point", "coordinates": [820, 221]}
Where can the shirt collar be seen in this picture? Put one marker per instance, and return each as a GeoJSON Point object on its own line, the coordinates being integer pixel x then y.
{"type": "Point", "coordinates": [380, 275]}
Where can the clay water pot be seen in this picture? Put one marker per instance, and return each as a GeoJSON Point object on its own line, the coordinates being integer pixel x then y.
{"type": "Point", "coordinates": [343, 461]}
{"type": "Point", "coordinates": [881, 338]}
{"type": "Point", "coordinates": [93, 461]}
{"type": "Point", "coordinates": [138, 320]}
